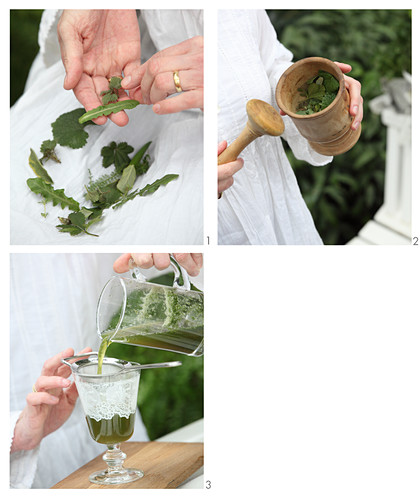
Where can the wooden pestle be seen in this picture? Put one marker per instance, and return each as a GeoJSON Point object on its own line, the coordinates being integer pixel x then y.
{"type": "Point", "coordinates": [263, 119]}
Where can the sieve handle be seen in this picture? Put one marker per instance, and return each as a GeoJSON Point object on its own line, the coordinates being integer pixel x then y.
{"type": "Point", "coordinates": [77, 356]}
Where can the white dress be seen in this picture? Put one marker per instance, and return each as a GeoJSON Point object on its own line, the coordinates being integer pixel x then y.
{"type": "Point", "coordinates": [173, 214]}
{"type": "Point", "coordinates": [264, 206]}
{"type": "Point", "coordinates": [53, 301]}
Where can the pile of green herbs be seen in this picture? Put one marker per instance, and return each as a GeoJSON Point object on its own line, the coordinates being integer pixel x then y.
{"type": "Point", "coordinates": [110, 190]}
{"type": "Point", "coordinates": [318, 92]}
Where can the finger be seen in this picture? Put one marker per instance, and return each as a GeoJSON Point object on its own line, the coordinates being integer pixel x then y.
{"type": "Point", "coordinates": [39, 398]}
{"type": "Point", "coordinates": [72, 394]}
{"type": "Point", "coordinates": [71, 49]}
{"type": "Point", "coordinates": [194, 44]}
{"type": "Point", "coordinates": [159, 65]}
{"type": "Point", "coordinates": [345, 68]}
{"type": "Point", "coordinates": [224, 185]}
{"type": "Point", "coordinates": [186, 100]}
{"type": "Point", "coordinates": [52, 364]}
{"type": "Point", "coordinates": [354, 88]}
{"type": "Point", "coordinates": [143, 260]}
{"type": "Point", "coordinates": [133, 75]}
{"type": "Point", "coordinates": [163, 85]}
{"type": "Point", "coordinates": [161, 260]}
{"type": "Point", "coordinates": [229, 169]}
{"type": "Point", "coordinates": [221, 147]}
{"type": "Point", "coordinates": [44, 383]}
{"type": "Point", "coordinates": [359, 117]}
{"type": "Point", "coordinates": [188, 263]}
{"type": "Point", "coordinates": [86, 94]}
{"type": "Point", "coordinates": [198, 259]}
{"type": "Point", "coordinates": [121, 264]}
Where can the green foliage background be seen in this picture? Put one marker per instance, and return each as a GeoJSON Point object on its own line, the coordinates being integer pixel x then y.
{"type": "Point", "coordinates": [345, 194]}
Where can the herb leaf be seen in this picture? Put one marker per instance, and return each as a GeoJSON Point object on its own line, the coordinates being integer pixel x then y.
{"type": "Point", "coordinates": [37, 167]}
{"type": "Point", "coordinates": [68, 131]}
{"type": "Point", "coordinates": [56, 196]}
{"type": "Point", "coordinates": [106, 110]}
{"type": "Point", "coordinates": [116, 154]}
{"type": "Point", "coordinates": [127, 179]}
{"type": "Point", "coordinates": [48, 151]}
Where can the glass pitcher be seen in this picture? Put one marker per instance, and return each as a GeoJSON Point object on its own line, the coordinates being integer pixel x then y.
{"type": "Point", "coordinates": [134, 311]}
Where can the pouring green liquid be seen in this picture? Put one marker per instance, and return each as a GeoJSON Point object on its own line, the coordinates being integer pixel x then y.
{"type": "Point", "coordinates": [159, 318]}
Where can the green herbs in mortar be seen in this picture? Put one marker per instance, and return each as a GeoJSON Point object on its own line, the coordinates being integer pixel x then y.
{"type": "Point", "coordinates": [108, 191]}
{"type": "Point", "coordinates": [318, 93]}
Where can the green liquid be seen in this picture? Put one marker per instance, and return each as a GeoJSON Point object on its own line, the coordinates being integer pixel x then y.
{"type": "Point", "coordinates": [111, 431]}
{"type": "Point", "coordinates": [159, 318]}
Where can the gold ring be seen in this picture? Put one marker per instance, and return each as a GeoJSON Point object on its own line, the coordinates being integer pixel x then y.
{"type": "Point", "coordinates": [34, 388]}
{"type": "Point", "coordinates": [177, 82]}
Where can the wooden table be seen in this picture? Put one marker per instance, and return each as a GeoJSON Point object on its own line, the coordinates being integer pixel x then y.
{"type": "Point", "coordinates": [165, 465]}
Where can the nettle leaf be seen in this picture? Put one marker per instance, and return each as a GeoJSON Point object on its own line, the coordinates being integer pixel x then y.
{"type": "Point", "coordinates": [109, 97]}
{"type": "Point", "coordinates": [55, 196]}
{"type": "Point", "coordinates": [116, 154]}
{"type": "Point", "coordinates": [69, 131]}
{"type": "Point", "coordinates": [115, 83]}
{"type": "Point", "coordinates": [106, 110]}
{"type": "Point", "coordinates": [37, 167]}
{"type": "Point", "coordinates": [127, 179]}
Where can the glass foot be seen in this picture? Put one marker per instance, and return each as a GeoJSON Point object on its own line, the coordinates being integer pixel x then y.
{"type": "Point", "coordinates": [116, 476]}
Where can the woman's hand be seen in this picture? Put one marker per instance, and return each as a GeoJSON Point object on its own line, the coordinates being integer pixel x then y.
{"type": "Point", "coordinates": [49, 407]}
{"type": "Point", "coordinates": [226, 171]}
{"type": "Point", "coordinates": [96, 45]}
{"type": "Point", "coordinates": [154, 81]}
{"type": "Point", "coordinates": [191, 262]}
{"type": "Point", "coordinates": [356, 100]}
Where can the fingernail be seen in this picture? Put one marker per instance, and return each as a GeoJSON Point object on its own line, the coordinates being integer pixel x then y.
{"type": "Point", "coordinates": [156, 108]}
{"type": "Point", "coordinates": [126, 81]}
{"type": "Point", "coordinates": [356, 125]}
{"type": "Point", "coordinates": [355, 109]}
{"type": "Point", "coordinates": [65, 383]}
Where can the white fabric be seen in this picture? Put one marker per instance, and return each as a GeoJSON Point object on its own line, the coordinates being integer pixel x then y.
{"type": "Point", "coordinates": [53, 301]}
{"type": "Point", "coordinates": [264, 206]}
{"type": "Point", "coordinates": [172, 215]}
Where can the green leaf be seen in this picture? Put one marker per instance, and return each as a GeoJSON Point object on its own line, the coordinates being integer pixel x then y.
{"type": "Point", "coordinates": [109, 97]}
{"type": "Point", "coordinates": [48, 151]}
{"type": "Point", "coordinates": [116, 154]}
{"type": "Point", "coordinates": [115, 83]}
{"type": "Point", "coordinates": [68, 131]}
{"type": "Point", "coordinates": [151, 188]}
{"type": "Point", "coordinates": [55, 196]}
{"type": "Point", "coordinates": [114, 107]}
{"type": "Point", "coordinates": [77, 218]}
{"type": "Point", "coordinates": [127, 179]}
{"type": "Point", "coordinates": [72, 230]}
{"type": "Point", "coordinates": [38, 169]}
{"type": "Point", "coordinates": [142, 164]}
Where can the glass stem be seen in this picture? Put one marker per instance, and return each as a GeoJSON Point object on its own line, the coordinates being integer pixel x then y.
{"type": "Point", "coordinates": [114, 458]}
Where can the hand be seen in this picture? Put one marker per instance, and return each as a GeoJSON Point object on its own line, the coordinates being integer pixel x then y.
{"type": "Point", "coordinates": [191, 262]}
{"type": "Point", "coordinates": [96, 45]}
{"type": "Point", "coordinates": [226, 171]}
{"type": "Point", "coordinates": [153, 82]}
{"type": "Point", "coordinates": [356, 99]}
{"type": "Point", "coordinates": [48, 408]}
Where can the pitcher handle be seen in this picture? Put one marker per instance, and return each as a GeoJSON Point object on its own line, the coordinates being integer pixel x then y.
{"type": "Point", "coordinates": [181, 279]}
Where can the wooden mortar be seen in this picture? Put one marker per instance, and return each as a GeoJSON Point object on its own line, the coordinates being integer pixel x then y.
{"type": "Point", "coordinates": [327, 131]}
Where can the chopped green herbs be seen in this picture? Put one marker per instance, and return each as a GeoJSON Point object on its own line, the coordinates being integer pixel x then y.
{"type": "Point", "coordinates": [319, 92]}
